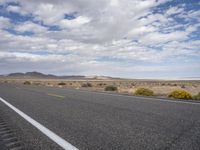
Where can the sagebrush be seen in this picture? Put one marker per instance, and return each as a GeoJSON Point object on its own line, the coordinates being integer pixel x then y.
{"type": "Point", "coordinates": [110, 88]}
{"type": "Point", "coordinates": [144, 92]}
{"type": "Point", "coordinates": [197, 97]}
{"type": "Point", "coordinates": [86, 84]}
{"type": "Point", "coordinates": [180, 94]}
{"type": "Point", "coordinates": [27, 82]}
{"type": "Point", "coordinates": [62, 83]}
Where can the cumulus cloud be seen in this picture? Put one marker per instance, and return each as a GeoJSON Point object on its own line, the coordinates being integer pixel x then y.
{"type": "Point", "coordinates": [91, 34]}
{"type": "Point", "coordinates": [77, 22]}
{"type": "Point", "coordinates": [4, 22]}
{"type": "Point", "coordinates": [16, 9]}
{"type": "Point", "coordinates": [174, 10]}
{"type": "Point", "coordinates": [30, 26]}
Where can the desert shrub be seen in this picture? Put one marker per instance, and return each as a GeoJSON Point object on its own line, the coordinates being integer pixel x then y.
{"type": "Point", "coordinates": [86, 84]}
{"type": "Point", "coordinates": [197, 97]}
{"type": "Point", "coordinates": [133, 84]}
{"type": "Point", "coordinates": [100, 84]}
{"type": "Point", "coordinates": [144, 92]}
{"type": "Point", "coordinates": [182, 86]}
{"type": "Point", "coordinates": [194, 85]}
{"type": "Point", "coordinates": [180, 94]}
{"type": "Point", "coordinates": [27, 82]}
{"type": "Point", "coordinates": [61, 83]}
{"type": "Point", "coordinates": [110, 88]}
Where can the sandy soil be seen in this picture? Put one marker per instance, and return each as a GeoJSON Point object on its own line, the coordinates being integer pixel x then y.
{"type": "Point", "coordinates": [160, 87]}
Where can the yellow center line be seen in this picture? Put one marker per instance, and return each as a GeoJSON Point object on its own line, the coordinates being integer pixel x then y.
{"type": "Point", "coordinates": [55, 95]}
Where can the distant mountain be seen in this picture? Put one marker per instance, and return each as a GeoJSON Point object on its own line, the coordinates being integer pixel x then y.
{"type": "Point", "coordinates": [16, 74]}
{"type": "Point", "coordinates": [38, 75]}
{"type": "Point", "coordinates": [29, 75]}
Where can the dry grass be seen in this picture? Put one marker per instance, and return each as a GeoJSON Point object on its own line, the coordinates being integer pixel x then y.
{"type": "Point", "coordinates": [160, 87]}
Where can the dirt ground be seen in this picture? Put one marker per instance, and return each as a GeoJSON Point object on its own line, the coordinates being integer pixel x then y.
{"type": "Point", "coordinates": [160, 87]}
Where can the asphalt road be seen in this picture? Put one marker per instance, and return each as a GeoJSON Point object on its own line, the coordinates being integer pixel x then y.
{"type": "Point", "coordinates": [94, 121]}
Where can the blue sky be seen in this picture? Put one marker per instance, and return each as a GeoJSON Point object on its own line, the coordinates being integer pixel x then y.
{"type": "Point", "coordinates": [121, 38]}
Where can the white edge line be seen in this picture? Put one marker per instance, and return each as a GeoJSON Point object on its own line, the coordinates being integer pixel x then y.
{"type": "Point", "coordinates": [60, 141]}
{"type": "Point", "coordinates": [155, 99]}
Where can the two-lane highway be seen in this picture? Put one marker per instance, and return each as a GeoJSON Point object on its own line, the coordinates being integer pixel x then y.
{"type": "Point", "coordinates": [91, 120]}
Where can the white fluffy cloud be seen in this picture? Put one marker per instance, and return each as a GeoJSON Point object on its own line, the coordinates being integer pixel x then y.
{"type": "Point", "coordinates": [94, 34]}
{"type": "Point", "coordinates": [75, 23]}
{"type": "Point", "coordinates": [16, 9]}
{"type": "Point", "coordinates": [4, 22]}
{"type": "Point", "coordinates": [31, 27]}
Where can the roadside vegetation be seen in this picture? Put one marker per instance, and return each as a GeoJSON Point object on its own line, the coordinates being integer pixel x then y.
{"type": "Point", "coordinates": [162, 89]}
{"type": "Point", "coordinates": [180, 94]}
{"type": "Point", "coordinates": [86, 84]}
{"type": "Point", "coordinates": [27, 83]}
{"type": "Point", "coordinates": [110, 88]}
{"type": "Point", "coordinates": [144, 92]}
{"type": "Point", "coordinates": [197, 97]}
{"type": "Point", "coordinates": [62, 83]}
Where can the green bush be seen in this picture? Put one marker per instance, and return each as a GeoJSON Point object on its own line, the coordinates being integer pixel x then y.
{"type": "Point", "coordinates": [61, 83]}
{"type": "Point", "coordinates": [197, 97]}
{"type": "Point", "coordinates": [144, 92]}
{"type": "Point", "coordinates": [110, 88]}
{"type": "Point", "coordinates": [27, 83]}
{"type": "Point", "coordinates": [180, 94]}
{"type": "Point", "coordinates": [86, 84]}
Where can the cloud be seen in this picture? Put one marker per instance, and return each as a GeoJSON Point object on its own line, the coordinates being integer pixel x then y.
{"type": "Point", "coordinates": [93, 34]}
{"type": "Point", "coordinates": [4, 22]}
{"type": "Point", "coordinates": [156, 37]}
{"type": "Point", "coordinates": [30, 26]}
{"type": "Point", "coordinates": [62, 65]}
{"type": "Point", "coordinates": [16, 9]}
{"type": "Point", "coordinates": [174, 10]}
{"type": "Point", "coordinates": [77, 22]}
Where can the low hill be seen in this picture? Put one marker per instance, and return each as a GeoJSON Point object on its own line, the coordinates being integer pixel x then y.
{"type": "Point", "coordinates": [38, 75]}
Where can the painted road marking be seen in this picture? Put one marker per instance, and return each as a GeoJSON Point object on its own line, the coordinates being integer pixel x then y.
{"type": "Point", "coordinates": [55, 95]}
{"type": "Point", "coordinates": [54, 137]}
{"type": "Point", "coordinates": [157, 99]}
{"type": "Point", "coordinates": [142, 98]}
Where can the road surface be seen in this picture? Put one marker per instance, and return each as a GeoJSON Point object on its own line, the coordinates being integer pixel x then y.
{"type": "Point", "coordinates": [98, 121]}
